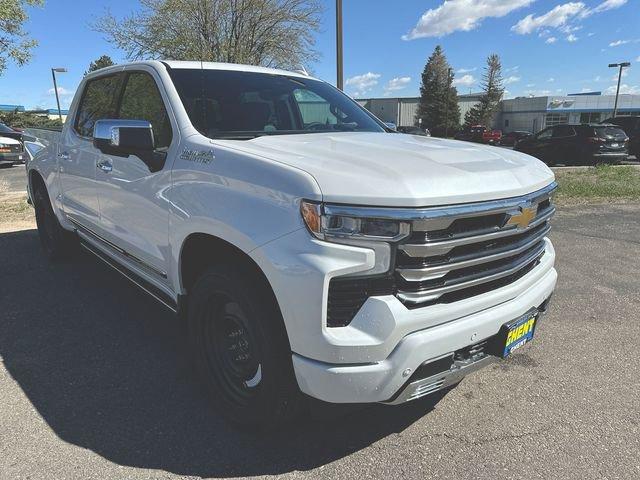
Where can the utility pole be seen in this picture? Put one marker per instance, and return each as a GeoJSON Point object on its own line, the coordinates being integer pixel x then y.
{"type": "Point", "coordinates": [620, 66]}
{"type": "Point", "coordinates": [446, 105]}
{"type": "Point", "coordinates": [339, 64]}
{"type": "Point", "coordinates": [55, 88]}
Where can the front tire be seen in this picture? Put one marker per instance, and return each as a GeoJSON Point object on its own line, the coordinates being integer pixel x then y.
{"type": "Point", "coordinates": [56, 242]}
{"type": "Point", "coordinates": [240, 349]}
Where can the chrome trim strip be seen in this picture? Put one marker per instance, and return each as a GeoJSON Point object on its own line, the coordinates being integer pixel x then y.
{"type": "Point", "coordinates": [435, 293]}
{"type": "Point", "coordinates": [428, 213]}
{"type": "Point", "coordinates": [430, 273]}
{"type": "Point", "coordinates": [428, 385]}
{"type": "Point", "coordinates": [113, 246]}
{"type": "Point", "coordinates": [129, 277]}
{"type": "Point", "coordinates": [444, 246]}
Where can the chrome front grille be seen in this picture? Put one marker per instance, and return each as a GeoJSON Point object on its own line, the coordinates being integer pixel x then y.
{"type": "Point", "coordinates": [456, 252]}
{"type": "Point", "coordinates": [449, 253]}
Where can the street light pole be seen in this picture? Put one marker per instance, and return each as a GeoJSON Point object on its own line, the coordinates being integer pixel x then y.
{"type": "Point", "coordinates": [339, 71]}
{"type": "Point", "coordinates": [620, 66]}
{"type": "Point", "coordinates": [55, 88]}
{"type": "Point", "coordinates": [446, 105]}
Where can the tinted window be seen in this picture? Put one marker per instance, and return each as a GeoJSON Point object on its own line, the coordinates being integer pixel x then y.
{"type": "Point", "coordinates": [5, 129]}
{"type": "Point", "coordinates": [609, 132]}
{"type": "Point", "coordinates": [545, 134]}
{"type": "Point", "coordinates": [141, 100]}
{"type": "Point", "coordinates": [98, 102]}
{"type": "Point", "coordinates": [246, 104]}
{"type": "Point", "coordinates": [563, 131]}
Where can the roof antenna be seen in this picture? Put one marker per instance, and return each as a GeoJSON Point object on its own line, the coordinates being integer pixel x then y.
{"type": "Point", "coordinates": [302, 70]}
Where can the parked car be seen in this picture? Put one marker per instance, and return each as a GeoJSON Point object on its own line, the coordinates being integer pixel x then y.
{"type": "Point", "coordinates": [479, 134]}
{"type": "Point", "coordinates": [586, 144]}
{"type": "Point", "coordinates": [631, 126]}
{"type": "Point", "coordinates": [307, 249]}
{"type": "Point", "coordinates": [11, 151]}
{"type": "Point", "coordinates": [510, 139]}
{"type": "Point", "coordinates": [7, 131]}
{"type": "Point", "coordinates": [423, 132]}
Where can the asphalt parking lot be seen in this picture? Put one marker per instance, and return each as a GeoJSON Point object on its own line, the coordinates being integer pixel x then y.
{"type": "Point", "coordinates": [95, 383]}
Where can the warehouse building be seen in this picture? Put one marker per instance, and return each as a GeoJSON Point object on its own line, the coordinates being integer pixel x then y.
{"type": "Point", "coordinates": [530, 114]}
{"type": "Point", "coordinates": [402, 111]}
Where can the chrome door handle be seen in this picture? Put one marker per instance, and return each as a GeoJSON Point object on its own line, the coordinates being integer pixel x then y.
{"type": "Point", "coordinates": [105, 166]}
{"type": "Point", "coordinates": [63, 156]}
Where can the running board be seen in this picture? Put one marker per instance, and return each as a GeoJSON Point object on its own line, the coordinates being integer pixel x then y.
{"type": "Point", "coordinates": [134, 278]}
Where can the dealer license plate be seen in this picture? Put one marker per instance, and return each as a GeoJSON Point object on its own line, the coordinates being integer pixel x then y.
{"type": "Point", "coordinates": [517, 333]}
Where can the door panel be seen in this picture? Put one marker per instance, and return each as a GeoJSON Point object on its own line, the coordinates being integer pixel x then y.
{"type": "Point", "coordinates": [133, 210]}
{"type": "Point", "coordinates": [77, 156]}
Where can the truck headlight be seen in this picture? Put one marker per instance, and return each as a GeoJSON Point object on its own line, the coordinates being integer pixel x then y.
{"type": "Point", "coordinates": [326, 224]}
{"type": "Point", "coordinates": [347, 225]}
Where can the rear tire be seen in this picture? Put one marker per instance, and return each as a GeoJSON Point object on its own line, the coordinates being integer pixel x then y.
{"type": "Point", "coordinates": [240, 348]}
{"type": "Point", "coordinates": [57, 243]}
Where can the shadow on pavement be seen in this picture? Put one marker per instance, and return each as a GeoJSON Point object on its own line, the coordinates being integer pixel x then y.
{"type": "Point", "coordinates": [107, 369]}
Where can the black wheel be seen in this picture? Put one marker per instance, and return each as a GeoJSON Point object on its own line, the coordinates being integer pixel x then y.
{"type": "Point", "coordinates": [57, 242]}
{"type": "Point", "coordinates": [240, 349]}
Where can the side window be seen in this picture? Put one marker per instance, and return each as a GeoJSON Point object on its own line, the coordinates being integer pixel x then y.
{"type": "Point", "coordinates": [98, 102]}
{"type": "Point", "coordinates": [562, 131]}
{"type": "Point", "coordinates": [314, 109]}
{"type": "Point", "coordinates": [545, 134]}
{"type": "Point", "coordinates": [141, 100]}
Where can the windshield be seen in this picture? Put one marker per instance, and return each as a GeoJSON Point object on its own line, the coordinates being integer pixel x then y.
{"type": "Point", "coordinates": [244, 105]}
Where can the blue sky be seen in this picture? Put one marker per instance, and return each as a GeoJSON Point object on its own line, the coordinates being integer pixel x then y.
{"type": "Point", "coordinates": [547, 46]}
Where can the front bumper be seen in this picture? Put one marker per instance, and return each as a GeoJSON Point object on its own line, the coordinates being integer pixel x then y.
{"type": "Point", "coordinates": [386, 381]}
{"type": "Point", "coordinates": [11, 158]}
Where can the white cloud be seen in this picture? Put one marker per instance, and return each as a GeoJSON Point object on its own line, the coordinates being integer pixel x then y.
{"type": "Point", "coordinates": [563, 17]}
{"type": "Point", "coordinates": [511, 79]}
{"type": "Point", "coordinates": [530, 85]}
{"type": "Point", "coordinates": [624, 89]}
{"type": "Point", "coordinates": [466, 70]}
{"type": "Point", "coordinates": [551, 80]}
{"type": "Point", "coordinates": [557, 17]}
{"type": "Point", "coordinates": [61, 91]}
{"type": "Point", "coordinates": [609, 5]}
{"type": "Point", "coordinates": [617, 43]}
{"type": "Point", "coordinates": [571, 38]}
{"type": "Point", "coordinates": [551, 40]}
{"type": "Point", "coordinates": [614, 78]}
{"type": "Point", "coordinates": [465, 81]}
{"type": "Point", "coordinates": [395, 84]}
{"type": "Point", "coordinates": [361, 84]}
{"type": "Point", "coordinates": [461, 15]}
{"type": "Point", "coordinates": [512, 69]}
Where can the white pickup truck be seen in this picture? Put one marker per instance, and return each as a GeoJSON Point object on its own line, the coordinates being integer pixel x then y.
{"type": "Point", "coordinates": [308, 247]}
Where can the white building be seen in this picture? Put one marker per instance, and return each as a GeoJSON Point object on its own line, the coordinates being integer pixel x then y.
{"type": "Point", "coordinates": [530, 114]}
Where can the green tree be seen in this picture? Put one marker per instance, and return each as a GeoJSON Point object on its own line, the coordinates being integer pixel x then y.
{"type": "Point", "coordinates": [15, 43]}
{"type": "Point", "coordinates": [484, 112]}
{"type": "Point", "coordinates": [25, 120]}
{"type": "Point", "coordinates": [438, 108]}
{"type": "Point", "coordinates": [102, 62]}
{"type": "Point", "coordinates": [273, 33]}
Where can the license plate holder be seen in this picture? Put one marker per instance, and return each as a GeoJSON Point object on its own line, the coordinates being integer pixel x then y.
{"type": "Point", "coordinates": [515, 334]}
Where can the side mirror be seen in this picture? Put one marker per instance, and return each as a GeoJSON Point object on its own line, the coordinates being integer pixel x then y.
{"type": "Point", "coordinates": [123, 138]}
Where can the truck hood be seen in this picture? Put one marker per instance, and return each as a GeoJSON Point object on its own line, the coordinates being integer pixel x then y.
{"type": "Point", "coordinates": [385, 169]}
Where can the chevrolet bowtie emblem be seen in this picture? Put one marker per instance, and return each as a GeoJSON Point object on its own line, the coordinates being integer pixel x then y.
{"type": "Point", "coordinates": [524, 217]}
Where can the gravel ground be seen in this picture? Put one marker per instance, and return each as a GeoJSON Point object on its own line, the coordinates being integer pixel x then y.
{"type": "Point", "coordinates": [94, 383]}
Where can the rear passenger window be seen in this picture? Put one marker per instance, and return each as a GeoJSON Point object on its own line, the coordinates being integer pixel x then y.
{"type": "Point", "coordinates": [141, 100]}
{"type": "Point", "coordinates": [563, 131]}
{"type": "Point", "coordinates": [98, 102]}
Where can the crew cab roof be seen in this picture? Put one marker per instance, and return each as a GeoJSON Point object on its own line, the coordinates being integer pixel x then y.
{"type": "Point", "coordinates": [174, 64]}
